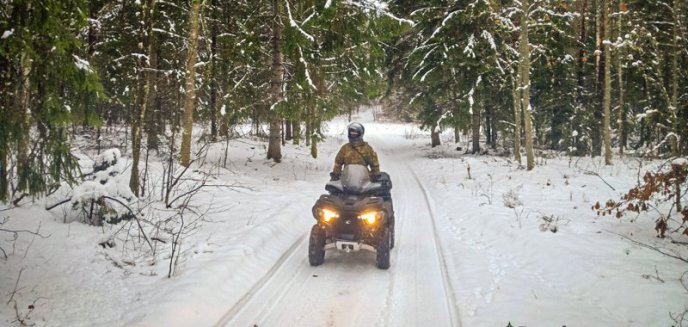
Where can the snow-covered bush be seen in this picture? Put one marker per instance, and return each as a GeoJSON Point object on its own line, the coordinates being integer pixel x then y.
{"type": "Point", "coordinates": [102, 196]}
{"type": "Point", "coordinates": [511, 198]}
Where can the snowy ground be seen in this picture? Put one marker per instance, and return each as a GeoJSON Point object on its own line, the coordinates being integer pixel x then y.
{"type": "Point", "coordinates": [463, 258]}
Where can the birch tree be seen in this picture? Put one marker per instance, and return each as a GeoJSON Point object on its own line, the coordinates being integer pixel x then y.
{"type": "Point", "coordinates": [524, 84]}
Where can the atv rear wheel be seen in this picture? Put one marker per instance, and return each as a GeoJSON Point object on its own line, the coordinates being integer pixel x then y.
{"type": "Point", "coordinates": [391, 231]}
{"type": "Point", "coordinates": [383, 247]}
{"type": "Point", "coordinates": [316, 246]}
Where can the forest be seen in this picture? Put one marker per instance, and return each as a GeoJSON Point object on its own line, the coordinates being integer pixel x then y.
{"type": "Point", "coordinates": [159, 162]}
{"type": "Point", "coordinates": [583, 77]}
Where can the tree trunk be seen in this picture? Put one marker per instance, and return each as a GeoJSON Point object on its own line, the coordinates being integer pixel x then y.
{"type": "Point", "coordinates": [488, 126]}
{"type": "Point", "coordinates": [434, 136]}
{"type": "Point", "coordinates": [190, 98]}
{"type": "Point", "coordinates": [516, 98]}
{"type": "Point", "coordinates": [23, 137]}
{"type": "Point", "coordinates": [673, 106]}
{"type": "Point", "coordinates": [621, 116]}
{"type": "Point", "coordinates": [274, 145]}
{"type": "Point", "coordinates": [296, 125]}
{"type": "Point", "coordinates": [308, 120]}
{"type": "Point", "coordinates": [578, 121]}
{"type": "Point", "coordinates": [3, 174]}
{"type": "Point", "coordinates": [213, 79]}
{"type": "Point", "coordinates": [314, 137]}
{"type": "Point", "coordinates": [457, 127]}
{"type": "Point", "coordinates": [152, 118]}
{"type": "Point", "coordinates": [524, 51]}
{"type": "Point", "coordinates": [288, 130]}
{"type": "Point", "coordinates": [143, 90]}
{"type": "Point", "coordinates": [475, 127]}
{"type": "Point", "coordinates": [607, 103]}
{"type": "Point", "coordinates": [599, 85]}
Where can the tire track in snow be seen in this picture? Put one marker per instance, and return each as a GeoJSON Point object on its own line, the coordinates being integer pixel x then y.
{"type": "Point", "coordinates": [258, 286]}
{"type": "Point", "coordinates": [391, 152]}
{"type": "Point", "coordinates": [448, 289]}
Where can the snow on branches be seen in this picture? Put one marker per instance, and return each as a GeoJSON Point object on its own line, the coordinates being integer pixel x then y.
{"type": "Point", "coordinates": [106, 182]}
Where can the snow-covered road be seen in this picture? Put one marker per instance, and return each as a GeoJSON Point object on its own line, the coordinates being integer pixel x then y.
{"type": "Point", "coordinates": [348, 290]}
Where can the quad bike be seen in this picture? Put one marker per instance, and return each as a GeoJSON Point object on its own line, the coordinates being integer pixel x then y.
{"type": "Point", "coordinates": [357, 214]}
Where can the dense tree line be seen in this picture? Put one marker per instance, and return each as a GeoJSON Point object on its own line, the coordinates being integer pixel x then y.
{"type": "Point", "coordinates": [582, 76]}
{"type": "Point", "coordinates": [587, 74]}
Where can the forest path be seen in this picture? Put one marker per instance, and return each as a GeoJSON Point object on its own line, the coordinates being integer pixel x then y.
{"type": "Point", "coordinates": [348, 289]}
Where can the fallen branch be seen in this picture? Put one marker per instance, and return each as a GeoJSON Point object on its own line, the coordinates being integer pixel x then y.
{"type": "Point", "coordinates": [15, 286]}
{"type": "Point", "coordinates": [51, 207]}
{"type": "Point", "coordinates": [15, 234]}
{"type": "Point", "coordinates": [23, 320]}
{"type": "Point", "coordinates": [23, 231]}
{"type": "Point", "coordinates": [656, 277]}
{"type": "Point", "coordinates": [656, 249]}
{"type": "Point", "coordinates": [598, 175]}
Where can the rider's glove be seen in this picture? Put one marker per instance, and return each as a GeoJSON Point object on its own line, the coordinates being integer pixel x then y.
{"type": "Point", "coordinates": [376, 177]}
{"type": "Point", "coordinates": [334, 177]}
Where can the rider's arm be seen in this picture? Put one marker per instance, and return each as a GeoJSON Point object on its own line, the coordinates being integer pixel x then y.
{"type": "Point", "coordinates": [338, 162]}
{"type": "Point", "coordinates": [374, 163]}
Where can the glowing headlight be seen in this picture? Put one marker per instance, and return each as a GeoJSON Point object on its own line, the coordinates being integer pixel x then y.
{"type": "Point", "coordinates": [328, 215]}
{"type": "Point", "coordinates": [369, 217]}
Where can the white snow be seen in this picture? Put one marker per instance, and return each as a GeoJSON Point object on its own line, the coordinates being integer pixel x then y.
{"type": "Point", "coordinates": [679, 162]}
{"type": "Point", "coordinates": [293, 23]}
{"type": "Point", "coordinates": [81, 63]}
{"type": "Point", "coordinates": [473, 249]}
{"type": "Point", "coordinates": [7, 34]}
{"type": "Point", "coordinates": [468, 50]}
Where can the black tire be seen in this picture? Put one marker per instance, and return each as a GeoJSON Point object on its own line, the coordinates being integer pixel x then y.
{"type": "Point", "coordinates": [392, 234]}
{"type": "Point", "coordinates": [316, 246]}
{"type": "Point", "coordinates": [383, 248]}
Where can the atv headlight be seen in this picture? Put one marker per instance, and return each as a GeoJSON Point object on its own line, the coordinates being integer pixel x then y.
{"type": "Point", "coordinates": [370, 217]}
{"type": "Point", "coordinates": [327, 215]}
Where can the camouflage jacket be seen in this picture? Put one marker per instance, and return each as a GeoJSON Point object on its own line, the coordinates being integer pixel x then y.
{"type": "Point", "coordinates": [356, 153]}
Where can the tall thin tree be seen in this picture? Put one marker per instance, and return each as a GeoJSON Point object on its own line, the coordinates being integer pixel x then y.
{"type": "Point", "coordinates": [276, 82]}
{"type": "Point", "coordinates": [524, 87]}
{"type": "Point", "coordinates": [190, 85]}
{"type": "Point", "coordinates": [607, 102]}
{"type": "Point", "coordinates": [141, 106]}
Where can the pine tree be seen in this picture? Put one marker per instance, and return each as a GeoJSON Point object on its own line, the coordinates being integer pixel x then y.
{"type": "Point", "coordinates": [47, 85]}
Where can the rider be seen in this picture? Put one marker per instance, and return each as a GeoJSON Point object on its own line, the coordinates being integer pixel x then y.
{"type": "Point", "coordinates": [356, 152]}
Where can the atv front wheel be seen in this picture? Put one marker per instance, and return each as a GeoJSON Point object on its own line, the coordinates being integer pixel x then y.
{"type": "Point", "coordinates": [316, 246]}
{"type": "Point", "coordinates": [382, 250]}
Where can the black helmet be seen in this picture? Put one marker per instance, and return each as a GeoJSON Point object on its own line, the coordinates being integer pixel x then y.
{"type": "Point", "coordinates": [355, 131]}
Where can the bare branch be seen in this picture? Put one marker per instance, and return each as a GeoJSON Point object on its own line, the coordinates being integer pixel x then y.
{"type": "Point", "coordinates": [15, 286]}
{"type": "Point", "coordinates": [48, 208]}
{"type": "Point", "coordinates": [598, 175]}
{"type": "Point", "coordinates": [656, 249]}
{"type": "Point", "coordinates": [136, 217]}
{"type": "Point", "coordinates": [23, 231]}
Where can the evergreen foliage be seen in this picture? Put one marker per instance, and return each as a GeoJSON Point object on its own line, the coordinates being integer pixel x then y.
{"type": "Point", "coordinates": [72, 65]}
